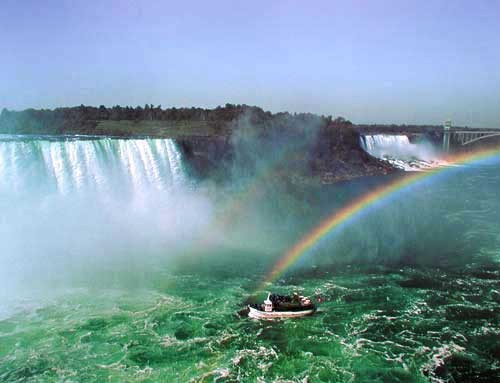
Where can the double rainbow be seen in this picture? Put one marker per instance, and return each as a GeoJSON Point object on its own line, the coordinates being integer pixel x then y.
{"type": "Point", "coordinates": [358, 205]}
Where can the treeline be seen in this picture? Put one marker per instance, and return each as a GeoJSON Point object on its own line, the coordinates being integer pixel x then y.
{"type": "Point", "coordinates": [83, 119]}
{"type": "Point", "coordinates": [403, 128]}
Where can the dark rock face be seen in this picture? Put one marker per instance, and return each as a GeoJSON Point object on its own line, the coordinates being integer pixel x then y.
{"type": "Point", "coordinates": [337, 155]}
{"type": "Point", "coordinates": [207, 155]}
{"type": "Point", "coordinates": [223, 142]}
{"type": "Point", "coordinates": [327, 153]}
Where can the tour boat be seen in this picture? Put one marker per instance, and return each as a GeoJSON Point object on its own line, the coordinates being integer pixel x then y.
{"type": "Point", "coordinates": [282, 306]}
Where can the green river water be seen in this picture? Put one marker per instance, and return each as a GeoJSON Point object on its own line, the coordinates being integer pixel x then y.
{"type": "Point", "coordinates": [411, 288]}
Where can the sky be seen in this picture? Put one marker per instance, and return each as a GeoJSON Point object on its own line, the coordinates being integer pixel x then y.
{"type": "Point", "coordinates": [368, 61]}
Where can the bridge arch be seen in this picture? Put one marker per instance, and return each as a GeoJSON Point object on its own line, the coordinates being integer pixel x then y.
{"type": "Point", "coordinates": [482, 137]}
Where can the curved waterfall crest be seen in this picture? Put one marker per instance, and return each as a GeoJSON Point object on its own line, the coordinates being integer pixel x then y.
{"type": "Point", "coordinates": [64, 166]}
{"type": "Point", "coordinates": [379, 142]}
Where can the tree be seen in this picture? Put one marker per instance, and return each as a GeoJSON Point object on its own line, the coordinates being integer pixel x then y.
{"type": "Point", "coordinates": [342, 121]}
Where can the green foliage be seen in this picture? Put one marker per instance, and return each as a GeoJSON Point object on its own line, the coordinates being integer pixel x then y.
{"type": "Point", "coordinates": [85, 119]}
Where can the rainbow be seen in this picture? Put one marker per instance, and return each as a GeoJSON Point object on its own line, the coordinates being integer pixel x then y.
{"type": "Point", "coordinates": [360, 204]}
{"type": "Point", "coordinates": [236, 204]}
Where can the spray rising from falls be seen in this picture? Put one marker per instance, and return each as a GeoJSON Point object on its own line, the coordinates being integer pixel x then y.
{"type": "Point", "coordinates": [66, 166]}
{"type": "Point", "coordinates": [400, 152]}
{"type": "Point", "coordinates": [70, 205]}
{"type": "Point", "coordinates": [371, 200]}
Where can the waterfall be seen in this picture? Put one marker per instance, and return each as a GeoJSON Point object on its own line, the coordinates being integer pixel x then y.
{"type": "Point", "coordinates": [66, 166]}
{"type": "Point", "coordinates": [383, 142]}
{"type": "Point", "coordinates": [400, 152]}
{"type": "Point", "coordinates": [73, 205]}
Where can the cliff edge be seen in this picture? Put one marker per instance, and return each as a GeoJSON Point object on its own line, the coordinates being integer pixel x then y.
{"type": "Point", "coordinates": [222, 141]}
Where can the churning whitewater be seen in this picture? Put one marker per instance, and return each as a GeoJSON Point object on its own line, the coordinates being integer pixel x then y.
{"type": "Point", "coordinates": [400, 152]}
{"type": "Point", "coordinates": [99, 280]}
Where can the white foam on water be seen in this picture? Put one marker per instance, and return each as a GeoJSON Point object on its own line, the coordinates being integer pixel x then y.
{"type": "Point", "coordinates": [401, 153]}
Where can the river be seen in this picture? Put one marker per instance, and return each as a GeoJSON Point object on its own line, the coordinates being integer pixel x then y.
{"type": "Point", "coordinates": [116, 266]}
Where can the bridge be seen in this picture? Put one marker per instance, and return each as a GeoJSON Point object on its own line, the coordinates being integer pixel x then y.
{"type": "Point", "coordinates": [464, 137]}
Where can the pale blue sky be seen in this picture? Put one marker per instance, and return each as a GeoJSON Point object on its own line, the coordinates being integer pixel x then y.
{"type": "Point", "coordinates": [369, 61]}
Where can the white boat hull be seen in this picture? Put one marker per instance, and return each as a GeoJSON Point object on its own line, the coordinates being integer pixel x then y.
{"type": "Point", "coordinates": [258, 314]}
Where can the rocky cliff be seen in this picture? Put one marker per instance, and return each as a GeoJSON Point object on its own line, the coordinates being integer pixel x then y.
{"type": "Point", "coordinates": [223, 142]}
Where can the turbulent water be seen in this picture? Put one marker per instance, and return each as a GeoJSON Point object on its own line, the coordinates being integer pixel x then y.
{"type": "Point", "coordinates": [400, 152]}
{"type": "Point", "coordinates": [115, 266]}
